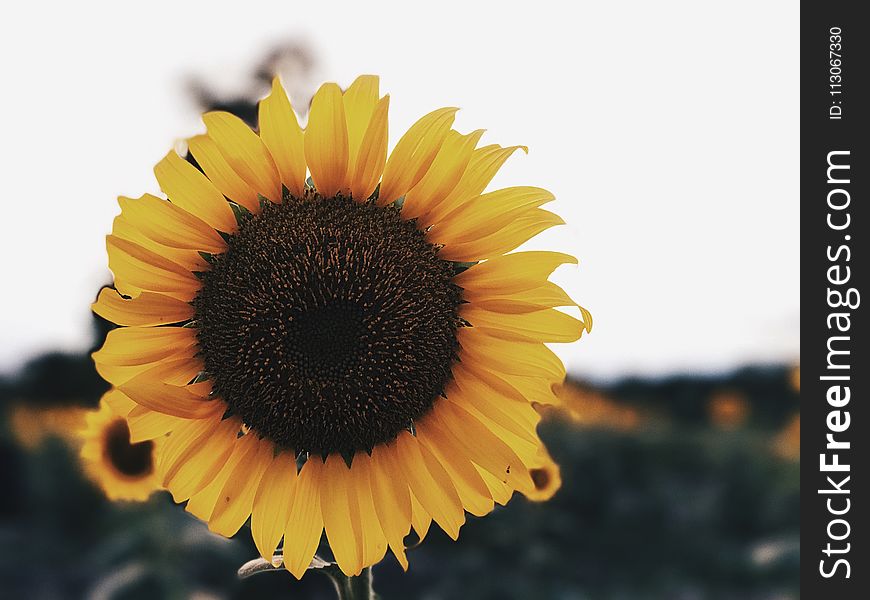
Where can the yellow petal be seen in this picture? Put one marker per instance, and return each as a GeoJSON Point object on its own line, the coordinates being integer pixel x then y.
{"type": "Point", "coordinates": [498, 489]}
{"type": "Point", "coordinates": [414, 153]}
{"type": "Point", "coordinates": [466, 369]}
{"type": "Point", "coordinates": [548, 325]}
{"type": "Point", "coordinates": [182, 441]}
{"type": "Point", "coordinates": [175, 370]}
{"type": "Point", "coordinates": [487, 214]}
{"type": "Point", "coordinates": [359, 104]}
{"type": "Point", "coordinates": [137, 269]}
{"type": "Point", "coordinates": [519, 231]}
{"type": "Point", "coordinates": [271, 508]}
{"type": "Point", "coordinates": [548, 295]}
{"type": "Point", "coordinates": [528, 359]}
{"type": "Point", "coordinates": [148, 308]}
{"type": "Point", "coordinates": [118, 375]}
{"type": "Point", "coordinates": [373, 543]}
{"type": "Point", "coordinates": [443, 175]}
{"type": "Point", "coordinates": [504, 275]}
{"type": "Point", "coordinates": [509, 398]}
{"type": "Point", "coordinates": [146, 424]}
{"type": "Point", "coordinates": [282, 135]}
{"type": "Point", "coordinates": [470, 486]}
{"type": "Point", "coordinates": [184, 401]}
{"type": "Point", "coordinates": [170, 225]}
{"type": "Point", "coordinates": [245, 152]}
{"type": "Point", "coordinates": [237, 495]}
{"type": "Point", "coordinates": [221, 174]}
{"type": "Point", "coordinates": [479, 444]}
{"type": "Point", "coordinates": [199, 463]}
{"type": "Point", "coordinates": [326, 143]}
{"type": "Point", "coordinates": [484, 164]}
{"type": "Point", "coordinates": [305, 523]}
{"type": "Point", "coordinates": [536, 389]}
{"type": "Point", "coordinates": [340, 514]}
{"type": "Point", "coordinates": [431, 484]}
{"type": "Point", "coordinates": [420, 519]}
{"type": "Point", "coordinates": [514, 416]}
{"type": "Point", "coordinates": [202, 504]}
{"type": "Point", "coordinates": [189, 260]}
{"type": "Point", "coordinates": [369, 165]}
{"type": "Point", "coordinates": [142, 345]}
{"type": "Point", "coordinates": [118, 402]}
{"type": "Point", "coordinates": [189, 189]}
{"type": "Point", "coordinates": [525, 450]}
{"type": "Point", "coordinates": [391, 498]}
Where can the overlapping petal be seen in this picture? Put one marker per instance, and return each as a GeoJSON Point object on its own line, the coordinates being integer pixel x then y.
{"type": "Point", "coordinates": [188, 188]}
{"type": "Point", "coordinates": [146, 309]}
{"type": "Point", "coordinates": [443, 174]}
{"type": "Point", "coordinates": [221, 173]}
{"type": "Point", "coordinates": [282, 135]}
{"type": "Point", "coordinates": [326, 141]}
{"type": "Point", "coordinates": [245, 153]}
{"type": "Point", "coordinates": [413, 155]}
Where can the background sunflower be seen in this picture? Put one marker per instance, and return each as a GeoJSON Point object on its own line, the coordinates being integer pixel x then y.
{"type": "Point", "coordinates": [123, 469]}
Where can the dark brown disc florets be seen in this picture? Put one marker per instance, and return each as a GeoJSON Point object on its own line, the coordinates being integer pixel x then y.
{"type": "Point", "coordinates": [328, 325]}
{"type": "Point", "coordinates": [130, 460]}
{"type": "Point", "coordinates": [540, 477]}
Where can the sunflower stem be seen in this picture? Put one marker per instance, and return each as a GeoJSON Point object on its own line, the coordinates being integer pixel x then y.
{"type": "Point", "coordinates": [347, 588]}
{"type": "Point", "coordinates": [252, 567]}
{"type": "Point", "coordinates": [352, 588]}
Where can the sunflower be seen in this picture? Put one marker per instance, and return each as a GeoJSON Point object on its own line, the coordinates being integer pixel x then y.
{"type": "Point", "coordinates": [122, 469]}
{"type": "Point", "coordinates": [546, 477]}
{"type": "Point", "coordinates": [353, 352]}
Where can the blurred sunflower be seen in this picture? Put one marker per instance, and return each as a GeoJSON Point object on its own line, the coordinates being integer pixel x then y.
{"type": "Point", "coordinates": [546, 477]}
{"type": "Point", "coordinates": [354, 352]}
{"type": "Point", "coordinates": [123, 470]}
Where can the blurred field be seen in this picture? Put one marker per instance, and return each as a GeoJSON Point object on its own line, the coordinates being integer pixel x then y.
{"type": "Point", "coordinates": [679, 488]}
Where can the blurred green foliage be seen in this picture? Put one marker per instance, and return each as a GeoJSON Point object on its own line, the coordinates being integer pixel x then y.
{"type": "Point", "coordinates": [674, 508]}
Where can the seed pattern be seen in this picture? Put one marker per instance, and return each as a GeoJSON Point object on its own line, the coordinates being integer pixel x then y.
{"type": "Point", "coordinates": [328, 325]}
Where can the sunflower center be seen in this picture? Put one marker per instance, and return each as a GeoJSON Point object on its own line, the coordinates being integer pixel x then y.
{"type": "Point", "coordinates": [132, 460]}
{"type": "Point", "coordinates": [540, 477]}
{"type": "Point", "coordinates": [328, 325]}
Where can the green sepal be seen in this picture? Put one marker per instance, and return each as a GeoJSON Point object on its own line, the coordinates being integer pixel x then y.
{"type": "Point", "coordinates": [375, 194]}
{"type": "Point", "coordinates": [241, 213]}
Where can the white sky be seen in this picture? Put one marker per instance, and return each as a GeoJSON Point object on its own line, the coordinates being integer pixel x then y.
{"type": "Point", "coordinates": [668, 132]}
